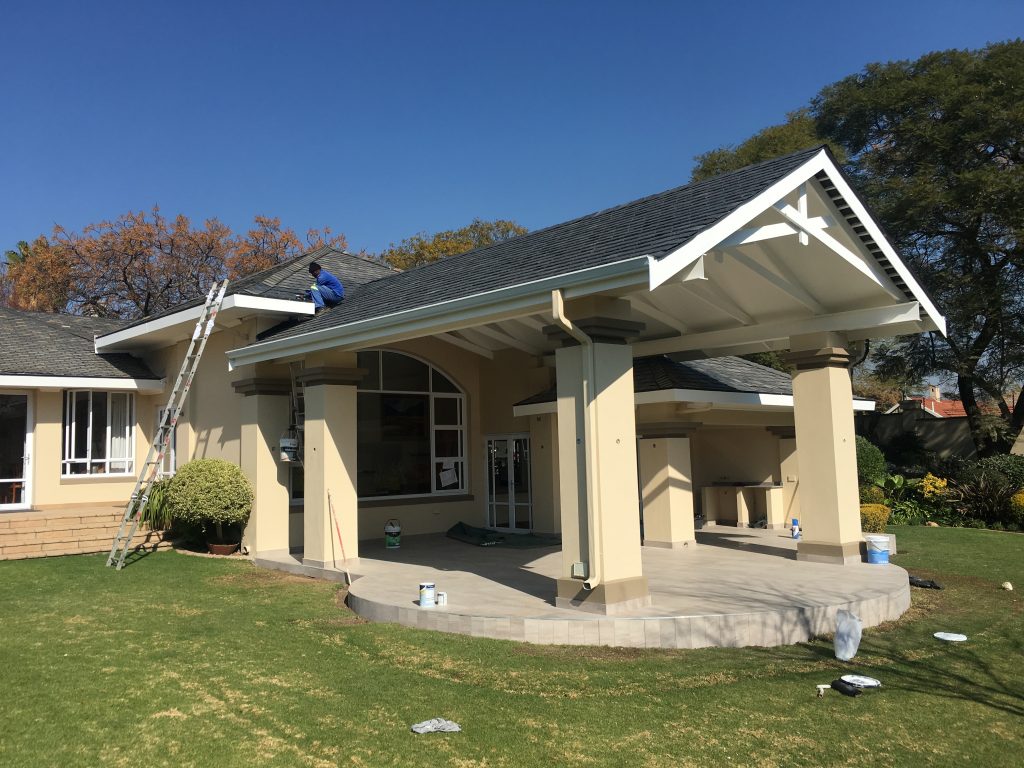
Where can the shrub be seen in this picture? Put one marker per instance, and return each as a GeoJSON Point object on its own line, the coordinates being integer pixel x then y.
{"type": "Point", "coordinates": [871, 494]}
{"type": "Point", "coordinates": [210, 492]}
{"type": "Point", "coordinates": [873, 517]}
{"type": "Point", "coordinates": [1009, 466]}
{"type": "Point", "coordinates": [984, 495]}
{"type": "Point", "coordinates": [870, 462]}
{"type": "Point", "coordinates": [932, 487]}
{"type": "Point", "coordinates": [157, 514]}
{"type": "Point", "coordinates": [1017, 509]}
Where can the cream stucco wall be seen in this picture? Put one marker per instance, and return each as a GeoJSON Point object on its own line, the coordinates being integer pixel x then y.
{"type": "Point", "coordinates": [49, 488]}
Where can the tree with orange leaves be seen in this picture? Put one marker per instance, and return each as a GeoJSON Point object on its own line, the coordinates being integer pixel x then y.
{"type": "Point", "coordinates": [267, 244]}
{"type": "Point", "coordinates": [142, 263]}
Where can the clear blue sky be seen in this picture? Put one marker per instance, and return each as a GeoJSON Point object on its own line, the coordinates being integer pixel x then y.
{"type": "Point", "coordinates": [382, 119]}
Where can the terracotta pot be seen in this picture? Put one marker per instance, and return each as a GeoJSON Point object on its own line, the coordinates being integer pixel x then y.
{"type": "Point", "coordinates": [221, 549]}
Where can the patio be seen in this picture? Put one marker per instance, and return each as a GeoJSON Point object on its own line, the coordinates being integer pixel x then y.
{"type": "Point", "coordinates": [739, 587]}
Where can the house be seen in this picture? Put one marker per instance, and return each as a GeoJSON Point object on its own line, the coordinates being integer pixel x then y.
{"type": "Point", "coordinates": [552, 382]}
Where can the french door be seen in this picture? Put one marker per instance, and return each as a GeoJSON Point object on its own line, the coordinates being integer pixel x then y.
{"type": "Point", "coordinates": [509, 496]}
{"type": "Point", "coordinates": [15, 446]}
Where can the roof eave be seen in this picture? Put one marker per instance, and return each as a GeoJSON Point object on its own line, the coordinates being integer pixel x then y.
{"type": "Point", "coordinates": [35, 381]}
{"type": "Point", "coordinates": [485, 307]}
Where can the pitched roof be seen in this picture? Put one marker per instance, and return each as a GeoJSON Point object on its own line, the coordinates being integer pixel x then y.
{"type": "Point", "coordinates": [44, 344]}
{"type": "Point", "coordinates": [717, 374]}
{"type": "Point", "coordinates": [652, 226]}
{"type": "Point", "coordinates": [285, 280]}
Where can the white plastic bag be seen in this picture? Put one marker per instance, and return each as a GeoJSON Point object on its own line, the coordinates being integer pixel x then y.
{"type": "Point", "coordinates": [848, 631]}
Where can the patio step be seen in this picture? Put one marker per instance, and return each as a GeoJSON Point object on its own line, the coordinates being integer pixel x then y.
{"type": "Point", "coordinates": [66, 531]}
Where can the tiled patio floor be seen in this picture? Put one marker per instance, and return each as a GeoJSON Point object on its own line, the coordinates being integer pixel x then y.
{"type": "Point", "coordinates": [737, 587]}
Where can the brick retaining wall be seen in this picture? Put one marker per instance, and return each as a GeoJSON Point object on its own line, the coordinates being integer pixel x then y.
{"type": "Point", "coordinates": [64, 531]}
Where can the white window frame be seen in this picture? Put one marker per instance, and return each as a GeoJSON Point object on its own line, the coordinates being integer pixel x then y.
{"type": "Point", "coordinates": [70, 435]}
{"type": "Point", "coordinates": [461, 464]}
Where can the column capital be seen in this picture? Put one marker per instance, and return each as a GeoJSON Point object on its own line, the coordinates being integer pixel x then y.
{"type": "Point", "coordinates": [261, 386]}
{"type": "Point", "coordinates": [603, 330]}
{"type": "Point", "coordinates": [322, 375]}
{"type": "Point", "coordinates": [823, 357]}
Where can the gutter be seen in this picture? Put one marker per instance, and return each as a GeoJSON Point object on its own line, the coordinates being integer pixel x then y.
{"type": "Point", "coordinates": [591, 447]}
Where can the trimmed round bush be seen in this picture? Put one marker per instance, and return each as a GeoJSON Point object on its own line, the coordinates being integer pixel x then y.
{"type": "Point", "coordinates": [871, 466]}
{"type": "Point", "coordinates": [871, 494]}
{"type": "Point", "coordinates": [873, 517]}
{"type": "Point", "coordinates": [210, 492]}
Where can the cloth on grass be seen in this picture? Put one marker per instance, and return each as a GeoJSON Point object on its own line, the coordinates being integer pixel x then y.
{"type": "Point", "coordinates": [436, 725]}
{"type": "Point", "coordinates": [482, 537]}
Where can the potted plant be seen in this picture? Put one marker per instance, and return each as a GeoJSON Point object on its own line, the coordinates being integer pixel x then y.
{"type": "Point", "coordinates": [215, 497]}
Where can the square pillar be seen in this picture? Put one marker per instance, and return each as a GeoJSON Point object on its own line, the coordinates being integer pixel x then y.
{"type": "Point", "coordinates": [329, 458]}
{"type": "Point", "coordinates": [265, 415]}
{"type": "Point", "coordinates": [666, 486]}
{"type": "Point", "coordinates": [602, 569]}
{"type": "Point", "coordinates": [827, 455]}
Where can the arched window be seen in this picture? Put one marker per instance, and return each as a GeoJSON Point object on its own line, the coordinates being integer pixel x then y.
{"type": "Point", "coordinates": [412, 428]}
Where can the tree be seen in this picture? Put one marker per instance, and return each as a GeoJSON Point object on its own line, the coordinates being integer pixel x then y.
{"type": "Point", "coordinates": [267, 244]}
{"type": "Point", "coordinates": [423, 249]}
{"type": "Point", "coordinates": [798, 132]}
{"type": "Point", "coordinates": [32, 278]}
{"type": "Point", "coordinates": [936, 147]}
{"type": "Point", "coordinates": [142, 263]}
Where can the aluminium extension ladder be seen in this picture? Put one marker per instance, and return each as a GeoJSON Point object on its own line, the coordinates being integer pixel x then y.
{"type": "Point", "coordinates": [168, 421]}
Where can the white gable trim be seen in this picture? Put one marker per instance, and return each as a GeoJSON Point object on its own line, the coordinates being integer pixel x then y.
{"type": "Point", "coordinates": [669, 266]}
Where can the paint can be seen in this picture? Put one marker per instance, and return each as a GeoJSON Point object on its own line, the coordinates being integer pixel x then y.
{"type": "Point", "coordinates": [427, 592]}
{"type": "Point", "coordinates": [392, 534]}
{"type": "Point", "coordinates": [878, 549]}
{"type": "Point", "coordinates": [442, 598]}
{"type": "Point", "coordinates": [795, 529]}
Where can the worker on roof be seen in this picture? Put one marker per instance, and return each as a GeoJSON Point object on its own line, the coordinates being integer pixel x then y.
{"type": "Point", "coordinates": [327, 291]}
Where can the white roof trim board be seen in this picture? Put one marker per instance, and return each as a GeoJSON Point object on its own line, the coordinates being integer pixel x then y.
{"type": "Point", "coordinates": [236, 301]}
{"type": "Point", "coordinates": [148, 386]}
{"type": "Point", "coordinates": [722, 400]}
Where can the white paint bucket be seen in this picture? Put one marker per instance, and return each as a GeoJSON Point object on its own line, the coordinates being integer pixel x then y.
{"type": "Point", "coordinates": [427, 592]}
{"type": "Point", "coordinates": [392, 534]}
{"type": "Point", "coordinates": [442, 598]}
{"type": "Point", "coordinates": [878, 549]}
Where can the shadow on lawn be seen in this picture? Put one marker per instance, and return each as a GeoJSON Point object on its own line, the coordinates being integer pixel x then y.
{"type": "Point", "coordinates": [955, 670]}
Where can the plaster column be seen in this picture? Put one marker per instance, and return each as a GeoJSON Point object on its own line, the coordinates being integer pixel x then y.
{"type": "Point", "coordinates": [600, 514]}
{"type": "Point", "coordinates": [544, 473]}
{"type": "Point", "coordinates": [827, 456]}
{"type": "Point", "coordinates": [265, 414]}
{"type": "Point", "coordinates": [329, 459]}
{"type": "Point", "coordinates": [666, 486]}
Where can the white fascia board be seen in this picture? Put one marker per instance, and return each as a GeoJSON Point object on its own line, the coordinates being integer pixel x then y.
{"type": "Point", "coordinates": [666, 267]}
{"type": "Point", "coordinates": [442, 317]}
{"type": "Point", "coordinates": [877, 320]}
{"type": "Point", "coordinates": [726, 399]}
{"type": "Point", "coordinates": [191, 315]}
{"type": "Point", "coordinates": [82, 382]}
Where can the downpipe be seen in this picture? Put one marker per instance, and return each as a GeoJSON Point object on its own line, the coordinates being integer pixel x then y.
{"type": "Point", "coordinates": [590, 442]}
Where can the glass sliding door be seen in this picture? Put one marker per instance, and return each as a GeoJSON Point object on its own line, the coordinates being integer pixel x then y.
{"type": "Point", "coordinates": [509, 500]}
{"type": "Point", "coordinates": [14, 451]}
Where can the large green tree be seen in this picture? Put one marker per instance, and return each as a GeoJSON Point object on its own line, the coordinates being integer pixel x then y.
{"type": "Point", "coordinates": [936, 146]}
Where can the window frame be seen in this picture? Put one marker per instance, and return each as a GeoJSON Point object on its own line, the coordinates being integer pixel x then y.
{"type": "Point", "coordinates": [70, 436]}
{"type": "Point", "coordinates": [461, 461]}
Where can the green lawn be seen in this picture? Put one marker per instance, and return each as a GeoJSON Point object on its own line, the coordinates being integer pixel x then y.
{"type": "Point", "coordinates": [190, 661]}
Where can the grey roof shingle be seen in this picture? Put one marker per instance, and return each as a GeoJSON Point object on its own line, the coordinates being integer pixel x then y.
{"type": "Point", "coordinates": [717, 374]}
{"type": "Point", "coordinates": [285, 280]}
{"type": "Point", "coordinates": [43, 344]}
{"type": "Point", "coordinates": [652, 226]}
